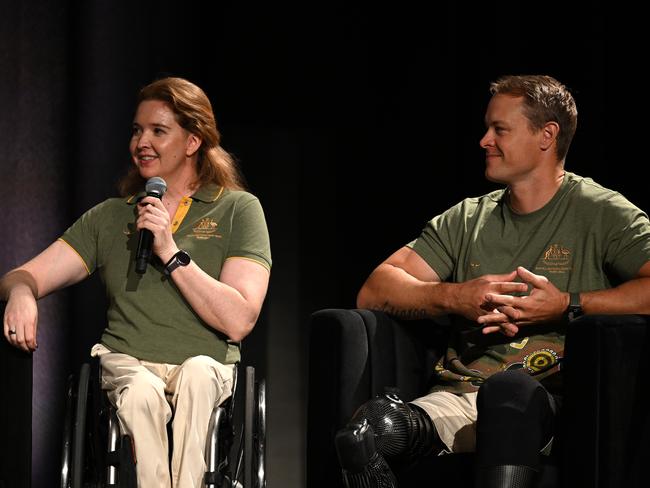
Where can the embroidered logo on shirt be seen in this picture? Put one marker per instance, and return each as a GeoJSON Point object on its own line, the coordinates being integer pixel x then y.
{"type": "Point", "coordinates": [205, 229]}
{"type": "Point", "coordinates": [556, 259]}
{"type": "Point", "coordinates": [557, 255]}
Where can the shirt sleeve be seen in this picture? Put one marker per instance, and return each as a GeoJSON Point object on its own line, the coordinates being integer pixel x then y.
{"type": "Point", "coordinates": [439, 241]}
{"type": "Point", "coordinates": [82, 236]}
{"type": "Point", "coordinates": [628, 243]}
{"type": "Point", "coordinates": [250, 236]}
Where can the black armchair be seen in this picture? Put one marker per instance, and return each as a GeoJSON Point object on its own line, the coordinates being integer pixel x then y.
{"type": "Point", "coordinates": [606, 416]}
{"type": "Point", "coordinates": [605, 425]}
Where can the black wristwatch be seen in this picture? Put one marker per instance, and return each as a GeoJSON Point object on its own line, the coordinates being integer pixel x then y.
{"type": "Point", "coordinates": [574, 310]}
{"type": "Point", "coordinates": [181, 258]}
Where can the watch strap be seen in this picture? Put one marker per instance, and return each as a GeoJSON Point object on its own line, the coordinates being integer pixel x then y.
{"type": "Point", "coordinates": [574, 310]}
{"type": "Point", "coordinates": [174, 262]}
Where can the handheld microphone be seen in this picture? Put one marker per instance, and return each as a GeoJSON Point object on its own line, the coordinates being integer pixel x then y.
{"type": "Point", "coordinates": [155, 187]}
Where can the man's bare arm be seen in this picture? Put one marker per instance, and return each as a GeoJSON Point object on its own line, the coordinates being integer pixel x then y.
{"type": "Point", "coordinates": [404, 285]}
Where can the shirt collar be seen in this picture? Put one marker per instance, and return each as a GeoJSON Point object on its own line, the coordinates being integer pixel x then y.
{"type": "Point", "coordinates": [207, 194]}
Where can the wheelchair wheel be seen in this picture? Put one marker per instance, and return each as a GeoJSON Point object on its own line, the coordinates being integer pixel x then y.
{"type": "Point", "coordinates": [78, 461]}
{"type": "Point", "coordinates": [66, 456]}
{"type": "Point", "coordinates": [218, 445]}
{"type": "Point", "coordinates": [119, 458]}
{"type": "Point", "coordinates": [260, 436]}
{"type": "Point", "coordinates": [255, 432]}
{"type": "Point", "coordinates": [84, 456]}
{"type": "Point", "coordinates": [79, 427]}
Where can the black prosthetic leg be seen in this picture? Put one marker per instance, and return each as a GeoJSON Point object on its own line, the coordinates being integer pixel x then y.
{"type": "Point", "coordinates": [515, 422]}
{"type": "Point", "coordinates": [384, 427]}
{"type": "Point", "coordinates": [506, 476]}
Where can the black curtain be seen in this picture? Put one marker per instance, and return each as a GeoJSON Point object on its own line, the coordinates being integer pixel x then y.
{"type": "Point", "coordinates": [33, 154]}
{"type": "Point", "coordinates": [353, 124]}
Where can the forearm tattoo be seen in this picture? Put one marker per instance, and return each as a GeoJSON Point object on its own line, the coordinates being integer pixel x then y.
{"type": "Point", "coordinates": [412, 314]}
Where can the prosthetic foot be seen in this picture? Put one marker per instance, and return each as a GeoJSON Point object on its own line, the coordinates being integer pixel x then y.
{"type": "Point", "coordinates": [362, 466]}
{"type": "Point", "coordinates": [384, 427]}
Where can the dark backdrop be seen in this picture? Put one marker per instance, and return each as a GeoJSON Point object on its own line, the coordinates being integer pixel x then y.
{"type": "Point", "coordinates": [353, 124]}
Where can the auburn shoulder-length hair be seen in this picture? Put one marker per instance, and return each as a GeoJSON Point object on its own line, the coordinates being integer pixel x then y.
{"type": "Point", "coordinates": [193, 113]}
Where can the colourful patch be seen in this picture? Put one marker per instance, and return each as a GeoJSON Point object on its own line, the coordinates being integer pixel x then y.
{"type": "Point", "coordinates": [541, 360]}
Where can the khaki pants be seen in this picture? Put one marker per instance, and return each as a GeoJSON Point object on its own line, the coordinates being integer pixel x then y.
{"type": "Point", "coordinates": [145, 394]}
{"type": "Point", "coordinates": [454, 417]}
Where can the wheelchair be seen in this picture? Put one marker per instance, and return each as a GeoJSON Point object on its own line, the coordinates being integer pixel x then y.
{"type": "Point", "coordinates": [96, 455]}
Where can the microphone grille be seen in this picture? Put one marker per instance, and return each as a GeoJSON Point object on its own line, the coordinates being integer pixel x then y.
{"type": "Point", "coordinates": [156, 185]}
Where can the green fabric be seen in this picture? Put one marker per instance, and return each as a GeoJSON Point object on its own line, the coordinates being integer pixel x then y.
{"type": "Point", "coordinates": [586, 238]}
{"type": "Point", "coordinates": [148, 318]}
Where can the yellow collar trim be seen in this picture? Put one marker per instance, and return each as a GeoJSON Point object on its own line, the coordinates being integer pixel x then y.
{"type": "Point", "coordinates": [183, 207]}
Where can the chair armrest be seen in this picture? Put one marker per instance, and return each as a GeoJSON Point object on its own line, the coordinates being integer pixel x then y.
{"type": "Point", "coordinates": [358, 352]}
{"type": "Point", "coordinates": [606, 422]}
{"type": "Point", "coordinates": [402, 354]}
{"type": "Point", "coordinates": [353, 355]}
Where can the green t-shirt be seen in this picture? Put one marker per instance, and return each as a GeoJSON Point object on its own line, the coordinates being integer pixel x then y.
{"type": "Point", "coordinates": [586, 238]}
{"type": "Point", "coordinates": [148, 318]}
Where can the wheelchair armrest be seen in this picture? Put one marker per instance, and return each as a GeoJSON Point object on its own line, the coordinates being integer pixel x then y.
{"type": "Point", "coordinates": [353, 355]}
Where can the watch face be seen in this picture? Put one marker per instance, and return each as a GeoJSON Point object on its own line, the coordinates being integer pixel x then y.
{"type": "Point", "coordinates": [183, 258]}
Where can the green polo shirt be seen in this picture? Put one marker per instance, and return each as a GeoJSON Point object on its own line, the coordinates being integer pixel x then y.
{"type": "Point", "coordinates": [148, 318]}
